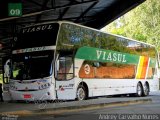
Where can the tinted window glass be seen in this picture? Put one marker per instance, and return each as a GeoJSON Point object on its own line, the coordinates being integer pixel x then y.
{"type": "Point", "coordinates": [73, 36]}
{"type": "Point", "coordinates": [32, 66]}
{"type": "Point", "coordinates": [35, 36]}
{"type": "Point", "coordinates": [107, 70]}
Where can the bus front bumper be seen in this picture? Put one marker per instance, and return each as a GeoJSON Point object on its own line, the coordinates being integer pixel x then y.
{"type": "Point", "coordinates": [45, 94]}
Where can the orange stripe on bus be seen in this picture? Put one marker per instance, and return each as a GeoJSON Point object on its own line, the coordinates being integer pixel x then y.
{"type": "Point", "coordinates": [144, 68]}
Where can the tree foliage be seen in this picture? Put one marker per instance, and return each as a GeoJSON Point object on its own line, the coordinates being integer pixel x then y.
{"type": "Point", "coordinates": [142, 23]}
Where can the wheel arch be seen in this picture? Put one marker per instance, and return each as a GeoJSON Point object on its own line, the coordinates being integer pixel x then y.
{"type": "Point", "coordinates": [140, 83]}
{"type": "Point", "coordinates": [146, 88]}
{"type": "Point", "coordinates": [147, 83]}
{"type": "Point", "coordinates": [139, 94]}
{"type": "Point", "coordinates": [85, 86]}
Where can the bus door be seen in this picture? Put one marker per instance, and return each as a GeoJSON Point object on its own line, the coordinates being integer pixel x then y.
{"type": "Point", "coordinates": [65, 77]}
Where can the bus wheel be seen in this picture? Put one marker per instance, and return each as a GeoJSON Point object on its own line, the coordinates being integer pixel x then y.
{"type": "Point", "coordinates": [145, 89]}
{"type": "Point", "coordinates": [139, 90]}
{"type": "Point", "coordinates": [81, 93]}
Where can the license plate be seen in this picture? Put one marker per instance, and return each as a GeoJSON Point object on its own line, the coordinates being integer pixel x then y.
{"type": "Point", "coordinates": [27, 96]}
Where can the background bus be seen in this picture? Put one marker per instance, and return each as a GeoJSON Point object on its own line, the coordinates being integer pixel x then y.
{"type": "Point", "coordinates": [63, 60]}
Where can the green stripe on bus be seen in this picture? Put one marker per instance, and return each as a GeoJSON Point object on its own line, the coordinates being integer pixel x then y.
{"type": "Point", "coordinates": [102, 55]}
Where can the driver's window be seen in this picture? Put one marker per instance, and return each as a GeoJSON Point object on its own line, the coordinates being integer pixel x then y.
{"type": "Point", "coordinates": [65, 68]}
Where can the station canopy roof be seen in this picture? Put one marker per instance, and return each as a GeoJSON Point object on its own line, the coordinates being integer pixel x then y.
{"type": "Point", "coordinates": [92, 13]}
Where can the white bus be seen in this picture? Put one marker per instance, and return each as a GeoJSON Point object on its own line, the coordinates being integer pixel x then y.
{"type": "Point", "coordinates": [66, 61]}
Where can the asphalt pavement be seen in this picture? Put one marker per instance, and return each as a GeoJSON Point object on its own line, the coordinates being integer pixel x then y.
{"type": "Point", "coordinates": [55, 107]}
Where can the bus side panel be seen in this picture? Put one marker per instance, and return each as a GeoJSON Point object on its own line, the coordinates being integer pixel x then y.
{"type": "Point", "coordinates": [153, 84]}
{"type": "Point", "coordinates": [100, 87]}
{"type": "Point", "coordinates": [66, 89]}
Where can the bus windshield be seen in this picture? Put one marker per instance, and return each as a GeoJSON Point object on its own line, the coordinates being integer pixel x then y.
{"type": "Point", "coordinates": [32, 66]}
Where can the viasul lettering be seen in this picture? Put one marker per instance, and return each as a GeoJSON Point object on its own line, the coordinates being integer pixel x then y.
{"type": "Point", "coordinates": [111, 56]}
{"type": "Point", "coordinates": [37, 28]}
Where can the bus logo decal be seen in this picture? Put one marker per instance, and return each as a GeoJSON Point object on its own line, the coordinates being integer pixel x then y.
{"type": "Point", "coordinates": [87, 69]}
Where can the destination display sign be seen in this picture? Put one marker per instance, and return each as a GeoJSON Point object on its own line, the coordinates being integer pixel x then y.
{"type": "Point", "coordinates": [35, 49]}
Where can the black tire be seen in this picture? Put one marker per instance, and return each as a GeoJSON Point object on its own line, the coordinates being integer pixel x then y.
{"type": "Point", "coordinates": [81, 93]}
{"type": "Point", "coordinates": [145, 89]}
{"type": "Point", "coordinates": [139, 91]}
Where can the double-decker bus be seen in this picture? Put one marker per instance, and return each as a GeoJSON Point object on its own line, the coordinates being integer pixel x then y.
{"type": "Point", "coordinates": [64, 60]}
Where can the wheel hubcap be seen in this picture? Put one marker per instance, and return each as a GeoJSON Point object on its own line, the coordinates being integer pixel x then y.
{"type": "Point", "coordinates": [139, 90]}
{"type": "Point", "coordinates": [146, 90]}
{"type": "Point", "coordinates": [81, 94]}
